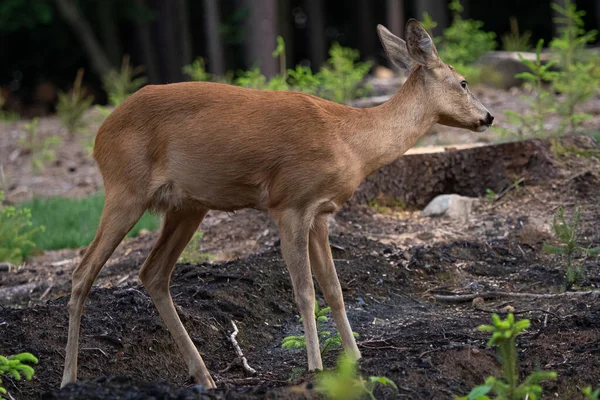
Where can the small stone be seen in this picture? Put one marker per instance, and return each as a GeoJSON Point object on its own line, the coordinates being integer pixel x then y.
{"type": "Point", "coordinates": [451, 205]}
{"type": "Point", "coordinates": [508, 309]}
{"type": "Point", "coordinates": [6, 266]}
{"type": "Point", "coordinates": [478, 301]}
{"type": "Point", "coordinates": [143, 232]}
{"type": "Point", "coordinates": [383, 72]}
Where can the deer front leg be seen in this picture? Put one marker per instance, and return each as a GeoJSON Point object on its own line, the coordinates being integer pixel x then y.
{"type": "Point", "coordinates": [321, 262]}
{"type": "Point", "coordinates": [293, 232]}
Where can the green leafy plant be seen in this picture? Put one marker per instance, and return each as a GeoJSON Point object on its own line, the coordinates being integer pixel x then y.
{"type": "Point", "coordinates": [197, 71]}
{"type": "Point", "coordinates": [344, 383]}
{"type": "Point", "coordinates": [579, 76]}
{"type": "Point", "coordinates": [515, 40]}
{"type": "Point", "coordinates": [72, 106]}
{"type": "Point", "coordinates": [17, 367]}
{"type": "Point", "coordinates": [16, 233]}
{"type": "Point", "coordinates": [507, 387]}
{"type": "Point", "coordinates": [303, 80]}
{"type": "Point", "coordinates": [541, 104]}
{"type": "Point", "coordinates": [42, 149]}
{"type": "Point", "coordinates": [123, 83]}
{"type": "Point", "coordinates": [252, 79]}
{"type": "Point", "coordinates": [591, 394]}
{"type": "Point", "coordinates": [342, 77]}
{"type": "Point", "coordinates": [193, 253]}
{"type": "Point", "coordinates": [279, 52]}
{"type": "Point", "coordinates": [463, 42]}
{"type": "Point", "coordinates": [490, 195]}
{"type": "Point", "coordinates": [328, 341]}
{"type": "Point", "coordinates": [567, 234]}
{"type": "Point", "coordinates": [428, 23]}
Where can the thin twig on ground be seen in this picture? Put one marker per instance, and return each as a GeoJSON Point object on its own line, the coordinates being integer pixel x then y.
{"type": "Point", "coordinates": [508, 189]}
{"type": "Point", "coordinates": [46, 292]}
{"type": "Point", "coordinates": [575, 176]}
{"type": "Point", "coordinates": [538, 310]}
{"type": "Point", "coordinates": [96, 349]}
{"type": "Point", "coordinates": [240, 354]}
{"type": "Point", "coordinates": [462, 298]}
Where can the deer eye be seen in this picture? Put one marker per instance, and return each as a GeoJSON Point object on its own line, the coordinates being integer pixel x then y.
{"type": "Point", "coordinates": [463, 84]}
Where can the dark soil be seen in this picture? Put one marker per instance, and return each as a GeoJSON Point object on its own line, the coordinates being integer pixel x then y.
{"type": "Point", "coordinates": [391, 263]}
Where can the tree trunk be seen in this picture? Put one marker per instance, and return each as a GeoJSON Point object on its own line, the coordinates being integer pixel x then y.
{"type": "Point", "coordinates": [72, 15]}
{"type": "Point", "coordinates": [366, 29]}
{"type": "Point", "coordinates": [395, 17]}
{"type": "Point", "coordinates": [286, 28]}
{"type": "Point", "coordinates": [144, 38]}
{"type": "Point", "coordinates": [212, 20]}
{"type": "Point", "coordinates": [110, 31]}
{"type": "Point", "coordinates": [316, 32]}
{"type": "Point", "coordinates": [598, 14]}
{"type": "Point", "coordinates": [185, 37]}
{"type": "Point", "coordinates": [438, 10]}
{"type": "Point", "coordinates": [170, 59]}
{"type": "Point", "coordinates": [466, 5]}
{"type": "Point", "coordinates": [261, 29]}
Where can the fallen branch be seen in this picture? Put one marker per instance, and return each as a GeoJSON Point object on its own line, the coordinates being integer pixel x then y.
{"type": "Point", "coordinates": [502, 312]}
{"type": "Point", "coordinates": [240, 354]}
{"type": "Point", "coordinates": [12, 292]}
{"type": "Point", "coordinates": [462, 298]}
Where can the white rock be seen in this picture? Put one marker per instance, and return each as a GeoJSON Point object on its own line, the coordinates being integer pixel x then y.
{"type": "Point", "coordinates": [450, 205]}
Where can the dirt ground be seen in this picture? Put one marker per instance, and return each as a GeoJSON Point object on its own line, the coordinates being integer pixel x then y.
{"type": "Point", "coordinates": [395, 268]}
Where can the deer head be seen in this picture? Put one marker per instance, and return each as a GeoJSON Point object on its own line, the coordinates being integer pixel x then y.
{"type": "Point", "coordinates": [447, 94]}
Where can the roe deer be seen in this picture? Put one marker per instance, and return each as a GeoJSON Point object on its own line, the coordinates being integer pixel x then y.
{"type": "Point", "coordinates": [186, 148]}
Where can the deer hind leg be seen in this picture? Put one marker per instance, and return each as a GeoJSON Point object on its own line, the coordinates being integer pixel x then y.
{"type": "Point", "coordinates": [322, 264]}
{"type": "Point", "coordinates": [293, 232]}
{"type": "Point", "coordinates": [118, 217]}
{"type": "Point", "coordinates": [177, 230]}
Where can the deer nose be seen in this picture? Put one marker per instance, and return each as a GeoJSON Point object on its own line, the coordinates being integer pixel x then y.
{"type": "Point", "coordinates": [489, 119]}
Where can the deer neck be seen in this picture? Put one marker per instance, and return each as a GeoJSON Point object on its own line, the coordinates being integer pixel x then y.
{"type": "Point", "coordinates": [387, 131]}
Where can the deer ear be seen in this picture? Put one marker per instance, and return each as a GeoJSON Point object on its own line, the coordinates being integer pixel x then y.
{"type": "Point", "coordinates": [395, 48]}
{"type": "Point", "coordinates": [420, 46]}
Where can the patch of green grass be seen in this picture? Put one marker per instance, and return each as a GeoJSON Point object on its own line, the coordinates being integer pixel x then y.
{"type": "Point", "coordinates": [72, 223]}
{"type": "Point", "coordinates": [595, 135]}
{"type": "Point", "coordinates": [193, 251]}
{"type": "Point", "coordinates": [387, 204]}
{"type": "Point", "coordinates": [564, 151]}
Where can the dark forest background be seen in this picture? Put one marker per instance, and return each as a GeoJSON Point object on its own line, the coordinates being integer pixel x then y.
{"type": "Point", "coordinates": [44, 42]}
